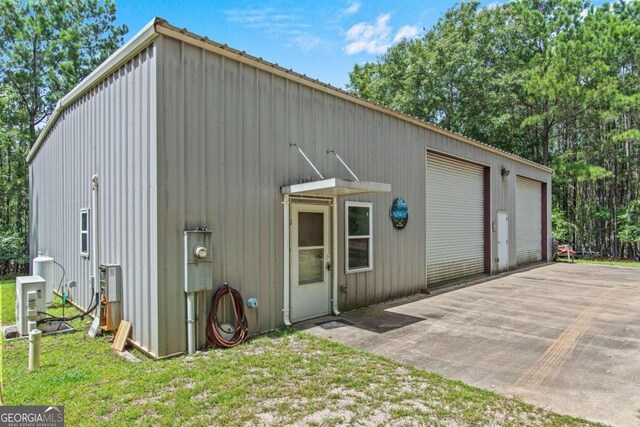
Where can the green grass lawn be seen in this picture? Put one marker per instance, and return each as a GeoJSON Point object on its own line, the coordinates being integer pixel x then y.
{"type": "Point", "coordinates": [284, 377]}
{"type": "Point", "coordinates": [618, 263]}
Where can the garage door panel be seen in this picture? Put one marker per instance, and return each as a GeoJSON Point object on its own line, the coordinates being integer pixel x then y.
{"type": "Point", "coordinates": [528, 220]}
{"type": "Point", "coordinates": [455, 219]}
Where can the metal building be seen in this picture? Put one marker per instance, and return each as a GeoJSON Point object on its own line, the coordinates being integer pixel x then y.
{"type": "Point", "coordinates": [183, 133]}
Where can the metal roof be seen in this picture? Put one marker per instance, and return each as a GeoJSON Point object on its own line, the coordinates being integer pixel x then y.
{"type": "Point", "coordinates": [160, 26]}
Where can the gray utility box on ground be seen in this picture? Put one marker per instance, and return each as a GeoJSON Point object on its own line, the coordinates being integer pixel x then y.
{"type": "Point", "coordinates": [111, 282]}
{"type": "Point", "coordinates": [30, 301]}
{"type": "Point", "coordinates": [198, 264]}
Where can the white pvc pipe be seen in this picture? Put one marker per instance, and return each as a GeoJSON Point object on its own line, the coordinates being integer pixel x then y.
{"type": "Point", "coordinates": [191, 322]}
{"type": "Point", "coordinates": [95, 238]}
{"type": "Point", "coordinates": [285, 309]}
{"type": "Point", "coordinates": [334, 281]}
{"type": "Point", "coordinates": [31, 325]}
{"type": "Point", "coordinates": [34, 349]}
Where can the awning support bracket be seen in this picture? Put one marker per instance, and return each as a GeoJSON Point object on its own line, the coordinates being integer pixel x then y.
{"type": "Point", "coordinates": [307, 159]}
{"type": "Point", "coordinates": [343, 164]}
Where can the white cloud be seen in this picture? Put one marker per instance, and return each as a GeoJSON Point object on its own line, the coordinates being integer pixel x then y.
{"type": "Point", "coordinates": [375, 38]}
{"type": "Point", "coordinates": [287, 25]}
{"type": "Point", "coordinates": [354, 7]}
{"type": "Point", "coordinates": [260, 18]}
{"type": "Point", "coordinates": [305, 41]}
{"type": "Point", "coordinates": [406, 32]}
{"type": "Point", "coordinates": [369, 37]}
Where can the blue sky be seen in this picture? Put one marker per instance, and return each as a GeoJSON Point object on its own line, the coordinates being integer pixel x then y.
{"type": "Point", "coordinates": [322, 39]}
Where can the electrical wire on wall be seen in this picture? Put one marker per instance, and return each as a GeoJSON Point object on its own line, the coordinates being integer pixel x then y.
{"type": "Point", "coordinates": [95, 299]}
{"type": "Point", "coordinates": [63, 275]}
{"type": "Point", "coordinates": [50, 318]}
{"type": "Point", "coordinates": [214, 332]}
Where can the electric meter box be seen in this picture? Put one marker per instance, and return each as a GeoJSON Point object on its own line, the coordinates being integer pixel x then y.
{"type": "Point", "coordinates": [198, 261]}
{"type": "Point", "coordinates": [31, 301]}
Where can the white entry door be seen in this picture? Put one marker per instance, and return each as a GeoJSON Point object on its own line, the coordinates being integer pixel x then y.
{"type": "Point", "coordinates": [503, 241]}
{"type": "Point", "coordinates": [310, 261]}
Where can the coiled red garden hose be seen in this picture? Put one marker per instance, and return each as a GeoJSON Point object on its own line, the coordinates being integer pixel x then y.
{"type": "Point", "coordinates": [213, 329]}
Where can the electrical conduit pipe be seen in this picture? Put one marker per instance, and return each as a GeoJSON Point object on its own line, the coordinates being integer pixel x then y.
{"type": "Point", "coordinates": [191, 322]}
{"type": "Point", "coordinates": [95, 239]}
{"type": "Point", "coordinates": [285, 310]}
{"type": "Point", "coordinates": [334, 279]}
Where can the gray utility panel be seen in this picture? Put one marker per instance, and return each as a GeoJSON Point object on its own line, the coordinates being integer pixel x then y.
{"type": "Point", "coordinates": [197, 261]}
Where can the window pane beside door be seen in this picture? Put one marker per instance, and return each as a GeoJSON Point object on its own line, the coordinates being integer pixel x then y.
{"type": "Point", "coordinates": [358, 253]}
{"type": "Point", "coordinates": [358, 221]}
{"type": "Point", "coordinates": [310, 229]}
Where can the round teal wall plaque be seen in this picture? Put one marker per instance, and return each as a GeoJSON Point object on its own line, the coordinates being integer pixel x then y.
{"type": "Point", "coordinates": [399, 213]}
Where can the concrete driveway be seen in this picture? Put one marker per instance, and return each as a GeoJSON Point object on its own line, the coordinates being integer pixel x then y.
{"type": "Point", "coordinates": [561, 336]}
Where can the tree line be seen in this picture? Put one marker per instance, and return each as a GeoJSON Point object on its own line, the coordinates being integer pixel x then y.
{"type": "Point", "coordinates": [46, 48]}
{"type": "Point", "coordinates": [554, 81]}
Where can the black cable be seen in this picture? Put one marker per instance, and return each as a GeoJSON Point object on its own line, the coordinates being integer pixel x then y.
{"type": "Point", "coordinates": [47, 314]}
{"type": "Point", "coordinates": [65, 319]}
{"type": "Point", "coordinates": [57, 317]}
{"type": "Point", "coordinates": [94, 303]}
{"type": "Point", "coordinates": [63, 274]}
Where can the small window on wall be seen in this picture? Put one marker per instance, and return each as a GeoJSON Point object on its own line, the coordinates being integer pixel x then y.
{"type": "Point", "coordinates": [84, 233]}
{"type": "Point", "coordinates": [359, 237]}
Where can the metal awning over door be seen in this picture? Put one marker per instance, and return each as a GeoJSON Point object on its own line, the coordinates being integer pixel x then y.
{"type": "Point", "coordinates": [528, 220]}
{"type": "Point", "coordinates": [455, 218]}
{"type": "Point", "coordinates": [334, 187]}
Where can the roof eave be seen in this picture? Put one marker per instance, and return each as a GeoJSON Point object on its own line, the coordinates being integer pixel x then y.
{"type": "Point", "coordinates": [182, 34]}
{"type": "Point", "coordinates": [160, 26]}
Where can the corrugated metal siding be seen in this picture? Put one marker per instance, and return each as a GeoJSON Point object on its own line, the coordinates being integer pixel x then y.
{"type": "Point", "coordinates": [110, 131]}
{"type": "Point", "coordinates": [226, 128]}
{"type": "Point", "coordinates": [223, 135]}
{"type": "Point", "coordinates": [223, 154]}
{"type": "Point", "coordinates": [528, 220]}
{"type": "Point", "coordinates": [455, 219]}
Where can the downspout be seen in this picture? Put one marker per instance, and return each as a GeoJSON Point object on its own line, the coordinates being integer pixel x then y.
{"type": "Point", "coordinates": [334, 281]}
{"type": "Point", "coordinates": [95, 240]}
{"type": "Point", "coordinates": [285, 309]}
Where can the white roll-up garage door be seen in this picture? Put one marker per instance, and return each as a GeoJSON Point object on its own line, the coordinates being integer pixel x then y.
{"type": "Point", "coordinates": [455, 219]}
{"type": "Point", "coordinates": [528, 220]}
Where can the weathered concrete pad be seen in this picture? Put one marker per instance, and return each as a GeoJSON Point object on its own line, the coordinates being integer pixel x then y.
{"type": "Point", "coordinates": [562, 336]}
